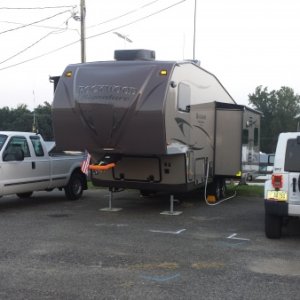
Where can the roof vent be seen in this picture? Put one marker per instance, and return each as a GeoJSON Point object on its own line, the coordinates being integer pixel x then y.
{"type": "Point", "coordinates": [139, 54]}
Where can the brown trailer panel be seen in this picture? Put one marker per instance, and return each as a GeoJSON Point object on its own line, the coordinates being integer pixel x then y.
{"type": "Point", "coordinates": [112, 107]}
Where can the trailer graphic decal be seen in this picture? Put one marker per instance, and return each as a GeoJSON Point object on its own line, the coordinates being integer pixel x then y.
{"type": "Point", "coordinates": [181, 122]}
{"type": "Point", "coordinates": [191, 146]}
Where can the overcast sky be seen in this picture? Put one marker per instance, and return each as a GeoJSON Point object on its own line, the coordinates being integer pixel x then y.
{"type": "Point", "coordinates": [245, 43]}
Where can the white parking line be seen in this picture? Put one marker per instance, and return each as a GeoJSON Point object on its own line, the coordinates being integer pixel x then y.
{"type": "Point", "coordinates": [233, 237]}
{"type": "Point", "coordinates": [168, 232]}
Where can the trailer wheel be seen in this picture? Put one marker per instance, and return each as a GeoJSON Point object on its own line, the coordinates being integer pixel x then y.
{"type": "Point", "coordinates": [75, 186]}
{"type": "Point", "coordinates": [273, 226]}
{"type": "Point", "coordinates": [218, 188]}
{"type": "Point", "coordinates": [24, 195]}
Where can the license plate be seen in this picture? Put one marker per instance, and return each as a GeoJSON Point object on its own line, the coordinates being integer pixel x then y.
{"type": "Point", "coordinates": [277, 195]}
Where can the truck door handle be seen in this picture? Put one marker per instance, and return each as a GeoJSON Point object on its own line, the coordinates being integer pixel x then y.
{"type": "Point", "coordinates": [294, 184]}
{"type": "Point", "coordinates": [33, 165]}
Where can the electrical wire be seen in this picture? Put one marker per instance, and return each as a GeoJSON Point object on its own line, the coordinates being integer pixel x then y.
{"type": "Point", "coordinates": [123, 15]}
{"type": "Point", "coordinates": [35, 22]}
{"type": "Point", "coordinates": [45, 7]}
{"type": "Point", "coordinates": [40, 56]}
{"type": "Point", "coordinates": [90, 37]}
{"type": "Point", "coordinates": [136, 21]}
{"type": "Point", "coordinates": [33, 44]}
{"type": "Point", "coordinates": [39, 26]}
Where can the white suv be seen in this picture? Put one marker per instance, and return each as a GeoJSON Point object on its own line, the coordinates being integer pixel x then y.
{"type": "Point", "coordinates": [282, 191]}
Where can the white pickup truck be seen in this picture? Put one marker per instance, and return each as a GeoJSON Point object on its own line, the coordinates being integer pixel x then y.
{"type": "Point", "coordinates": [26, 165]}
{"type": "Point", "coordinates": [282, 190]}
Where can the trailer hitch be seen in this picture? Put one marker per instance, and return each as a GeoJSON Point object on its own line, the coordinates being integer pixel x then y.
{"type": "Point", "coordinates": [102, 167]}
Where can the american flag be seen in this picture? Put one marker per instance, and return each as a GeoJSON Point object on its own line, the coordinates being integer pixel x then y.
{"type": "Point", "coordinates": [85, 163]}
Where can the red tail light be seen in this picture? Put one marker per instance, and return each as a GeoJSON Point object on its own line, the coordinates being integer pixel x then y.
{"type": "Point", "coordinates": [277, 181]}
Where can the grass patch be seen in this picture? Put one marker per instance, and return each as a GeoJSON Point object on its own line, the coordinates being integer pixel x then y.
{"type": "Point", "coordinates": [93, 187]}
{"type": "Point", "coordinates": [247, 190]}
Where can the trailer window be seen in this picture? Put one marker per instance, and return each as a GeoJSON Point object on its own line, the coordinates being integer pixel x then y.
{"type": "Point", "coordinates": [184, 97]}
{"type": "Point", "coordinates": [292, 156]}
{"type": "Point", "coordinates": [2, 140]}
{"type": "Point", "coordinates": [256, 137]}
{"type": "Point", "coordinates": [245, 138]}
{"type": "Point", "coordinates": [37, 145]}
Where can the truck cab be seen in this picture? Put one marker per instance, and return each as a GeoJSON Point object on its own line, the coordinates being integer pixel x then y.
{"type": "Point", "coordinates": [282, 190]}
{"type": "Point", "coordinates": [27, 166]}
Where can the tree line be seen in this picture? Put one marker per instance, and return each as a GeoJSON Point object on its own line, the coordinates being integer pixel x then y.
{"type": "Point", "coordinates": [22, 119]}
{"type": "Point", "coordinates": [280, 113]}
{"type": "Point", "coordinates": [279, 108]}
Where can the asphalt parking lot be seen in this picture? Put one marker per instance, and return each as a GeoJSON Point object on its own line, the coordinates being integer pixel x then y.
{"type": "Point", "coordinates": [55, 249]}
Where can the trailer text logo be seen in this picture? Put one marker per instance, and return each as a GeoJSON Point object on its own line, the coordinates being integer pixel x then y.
{"type": "Point", "coordinates": [106, 92]}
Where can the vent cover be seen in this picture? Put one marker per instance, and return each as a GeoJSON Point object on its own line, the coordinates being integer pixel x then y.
{"type": "Point", "coordinates": [139, 54]}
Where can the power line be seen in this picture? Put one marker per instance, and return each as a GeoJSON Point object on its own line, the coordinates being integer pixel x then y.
{"type": "Point", "coordinates": [35, 22]}
{"type": "Point", "coordinates": [93, 36]}
{"type": "Point", "coordinates": [39, 26]}
{"type": "Point", "coordinates": [40, 56]}
{"type": "Point", "coordinates": [33, 44]}
{"type": "Point", "coordinates": [45, 7]}
{"type": "Point", "coordinates": [123, 15]}
{"type": "Point", "coordinates": [137, 20]}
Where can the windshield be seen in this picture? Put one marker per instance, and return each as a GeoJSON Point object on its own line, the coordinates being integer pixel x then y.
{"type": "Point", "coordinates": [2, 140]}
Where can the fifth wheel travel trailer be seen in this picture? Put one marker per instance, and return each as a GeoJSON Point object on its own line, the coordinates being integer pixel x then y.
{"type": "Point", "coordinates": [154, 125]}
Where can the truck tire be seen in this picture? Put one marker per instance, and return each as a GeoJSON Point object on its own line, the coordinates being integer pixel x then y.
{"type": "Point", "coordinates": [24, 195]}
{"type": "Point", "coordinates": [75, 186]}
{"type": "Point", "coordinates": [273, 226]}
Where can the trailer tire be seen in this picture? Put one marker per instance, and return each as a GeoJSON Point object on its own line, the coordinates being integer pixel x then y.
{"type": "Point", "coordinates": [218, 188]}
{"type": "Point", "coordinates": [273, 226]}
{"type": "Point", "coordinates": [24, 195]}
{"type": "Point", "coordinates": [75, 187]}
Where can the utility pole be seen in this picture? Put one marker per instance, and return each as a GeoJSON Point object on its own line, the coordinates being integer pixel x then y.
{"type": "Point", "coordinates": [82, 31]}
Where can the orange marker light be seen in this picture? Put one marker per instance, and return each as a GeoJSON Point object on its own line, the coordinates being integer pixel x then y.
{"type": "Point", "coordinates": [68, 74]}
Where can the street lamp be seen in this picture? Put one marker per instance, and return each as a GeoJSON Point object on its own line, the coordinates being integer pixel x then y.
{"type": "Point", "coordinates": [124, 37]}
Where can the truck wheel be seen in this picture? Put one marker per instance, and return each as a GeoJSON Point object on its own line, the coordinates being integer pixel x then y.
{"type": "Point", "coordinates": [24, 195]}
{"type": "Point", "coordinates": [273, 226]}
{"type": "Point", "coordinates": [74, 188]}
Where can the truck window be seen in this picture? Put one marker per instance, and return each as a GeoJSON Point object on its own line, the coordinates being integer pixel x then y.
{"type": "Point", "coordinates": [2, 140]}
{"type": "Point", "coordinates": [184, 97]}
{"type": "Point", "coordinates": [37, 145]}
{"type": "Point", "coordinates": [18, 142]}
{"type": "Point", "coordinates": [292, 156]}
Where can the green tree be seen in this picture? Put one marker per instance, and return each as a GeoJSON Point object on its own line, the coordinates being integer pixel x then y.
{"type": "Point", "coordinates": [22, 119]}
{"type": "Point", "coordinates": [279, 109]}
{"type": "Point", "coordinates": [5, 118]}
